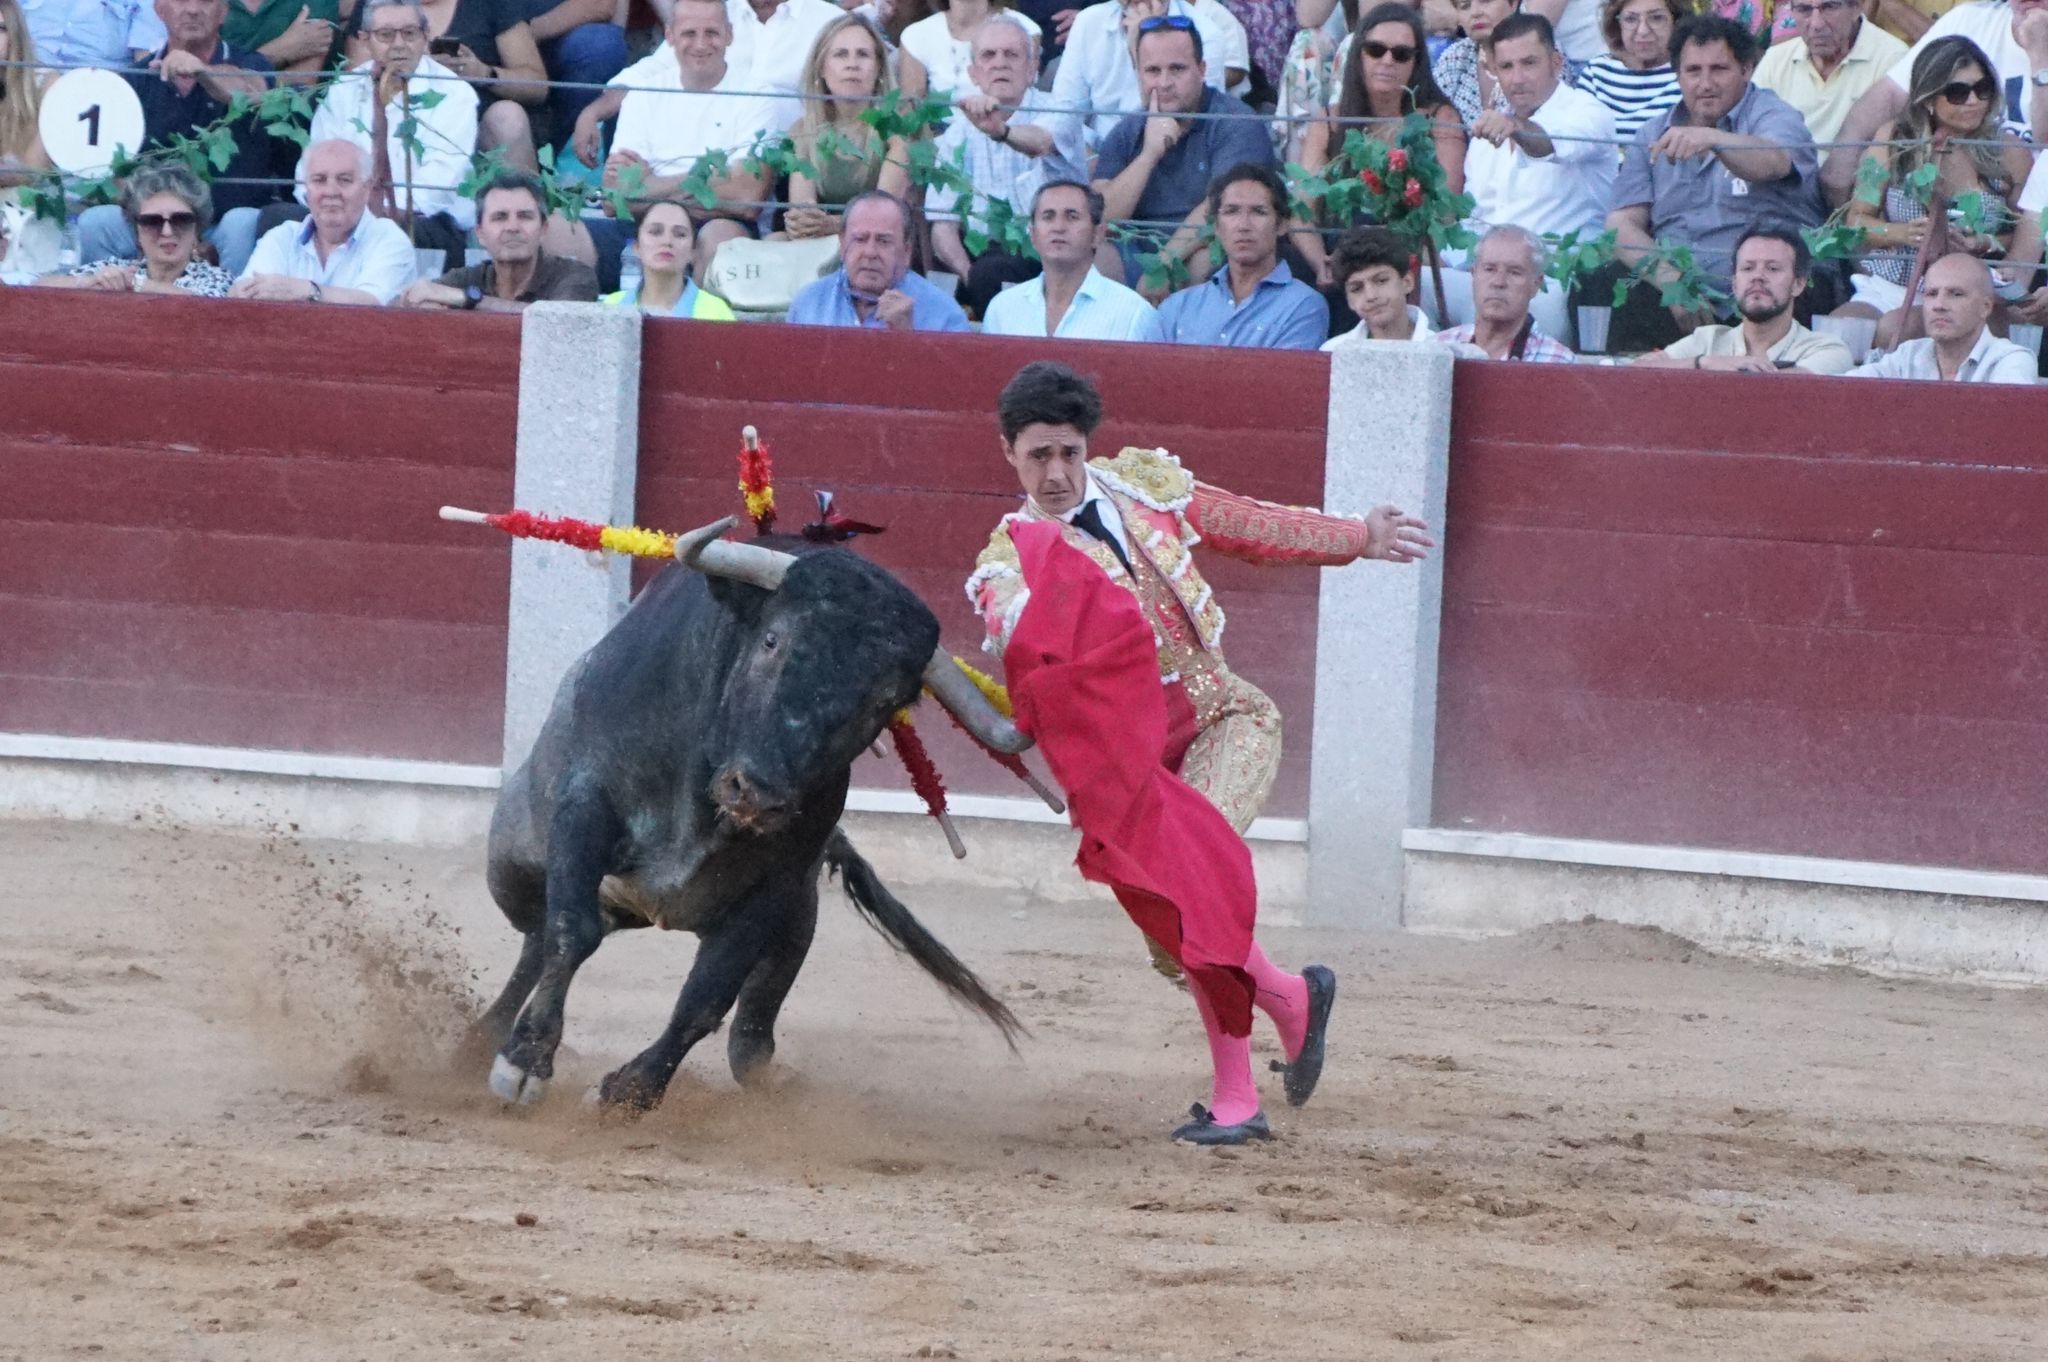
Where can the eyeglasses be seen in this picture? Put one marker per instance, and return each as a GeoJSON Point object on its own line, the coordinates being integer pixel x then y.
{"type": "Point", "coordinates": [1400, 52]}
{"type": "Point", "coordinates": [1962, 91]}
{"type": "Point", "coordinates": [154, 223]}
{"type": "Point", "coordinates": [1827, 7]}
{"type": "Point", "coordinates": [1654, 19]}
{"type": "Point", "coordinates": [410, 34]}
{"type": "Point", "coordinates": [1173, 23]}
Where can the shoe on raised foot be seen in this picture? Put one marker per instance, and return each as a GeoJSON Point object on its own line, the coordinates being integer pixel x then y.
{"type": "Point", "coordinates": [1306, 1068]}
{"type": "Point", "coordinates": [1205, 1130]}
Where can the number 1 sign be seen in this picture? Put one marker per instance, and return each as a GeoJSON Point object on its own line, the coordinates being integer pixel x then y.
{"type": "Point", "coordinates": [87, 115]}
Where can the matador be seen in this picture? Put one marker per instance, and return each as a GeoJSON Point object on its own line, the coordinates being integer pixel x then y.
{"type": "Point", "coordinates": [1106, 689]}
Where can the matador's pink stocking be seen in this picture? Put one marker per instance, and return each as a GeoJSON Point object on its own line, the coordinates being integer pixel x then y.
{"type": "Point", "coordinates": [1282, 997]}
{"type": "Point", "coordinates": [1234, 1098]}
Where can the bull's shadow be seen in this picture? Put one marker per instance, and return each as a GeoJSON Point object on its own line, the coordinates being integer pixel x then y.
{"type": "Point", "coordinates": [691, 775]}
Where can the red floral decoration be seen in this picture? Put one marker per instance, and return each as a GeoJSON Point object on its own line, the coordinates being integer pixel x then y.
{"type": "Point", "coordinates": [924, 776]}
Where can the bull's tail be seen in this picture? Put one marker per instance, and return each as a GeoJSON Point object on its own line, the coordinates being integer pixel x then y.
{"type": "Point", "coordinates": [887, 915]}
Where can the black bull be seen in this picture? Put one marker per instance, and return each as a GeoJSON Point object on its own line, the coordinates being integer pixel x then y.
{"type": "Point", "coordinates": [691, 775]}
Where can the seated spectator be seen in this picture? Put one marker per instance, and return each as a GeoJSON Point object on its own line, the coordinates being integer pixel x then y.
{"type": "Point", "coordinates": [1728, 156]}
{"type": "Point", "coordinates": [581, 44]}
{"type": "Point", "coordinates": [1384, 81]}
{"type": "Point", "coordinates": [1466, 80]}
{"type": "Point", "coordinates": [485, 43]}
{"type": "Point", "coordinates": [1071, 298]}
{"type": "Point", "coordinates": [1005, 153]}
{"type": "Point", "coordinates": [297, 37]}
{"type": "Point", "coordinates": [422, 172]}
{"type": "Point", "coordinates": [1155, 167]}
{"type": "Point", "coordinates": [511, 217]}
{"type": "Point", "coordinates": [1959, 346]}
{"type": "Point", "coordinates": [168, 209]}
{"type": "Point", "coordinates": [847, 73]}
{"type": "Point", "coordinates": [2014, 39]}
{"type": "Point", "coordinates": [665, 243]}
{"type": "Point", "coordinates": [1376, 270]}
{"type": "Point", "coordinates": [187, 86]}
{"type": "Point", "coordinates": [1101, 74]}
{"type": "Point", "coordinates": [938, 50]}
{"type": "Point", "coordinates": [1255, 302]}
{"type": "Point", "coordinates": [873, 287]}
{"type": "Point", "coordinates": [1508, 267]}
{"type": "Point", "coordinates": [771, 41]}
{"type": "Point", "coordinates": [698, 105]}
{"type": "Point", "coordinates": [1770, 274]}
{"type": "Point", "coordinates": [1951, 122]}
{"type": "Point", "coordinates": [1547, 162]}
{"type": "Point", "coordinates": [342, 252]}
{"type": "Point", "coordinates": [113, 34]}
{"type": "Point", "coordinates": [35, 243]}
{"type": "Point", "coordinates": [1634, 79]}
{"type": "Point", "coordinates": [1836, 57]}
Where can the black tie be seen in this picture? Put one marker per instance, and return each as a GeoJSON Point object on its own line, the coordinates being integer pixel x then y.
{"type": "Point", "coordinates": [1089, 518]}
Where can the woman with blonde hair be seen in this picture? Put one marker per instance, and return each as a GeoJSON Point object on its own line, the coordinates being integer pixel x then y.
{"type": "Point", "coordinates": [847, 74]}
{"type": "Point", "coordinates": [34, 244]}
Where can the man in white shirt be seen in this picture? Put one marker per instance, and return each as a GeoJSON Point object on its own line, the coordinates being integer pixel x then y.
{"type": "Point", "coordinates": [341, 253]}
{"type": "Point", "coordinates": [1549, 165]}
{"type": "Point", "coordinates": [1005, 154]}
{"type": "Point", "coordinates": [427, 169]}
{"type": "Point", "coordinates": [704, 108]}
{"type": "Point", "coordinates": [1956, 302]}
{"type": "Point", "coordinates": [1837, 56]}
{"type": "Point", "coordinates": [2012, 33]}
{"type": "Point", "coordinates": [771, 41]}
{"type": "Point", "coordinates": [1071, 299]}
{"type": "Point", "coordinates": [1097, 74]}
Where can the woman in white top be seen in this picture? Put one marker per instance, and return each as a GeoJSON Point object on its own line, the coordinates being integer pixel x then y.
{"type": "Point", "coordinates": [938, 47]}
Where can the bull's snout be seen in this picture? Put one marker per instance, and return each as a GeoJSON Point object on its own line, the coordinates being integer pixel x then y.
{"type": "Point", "coordinates": [746, 804]}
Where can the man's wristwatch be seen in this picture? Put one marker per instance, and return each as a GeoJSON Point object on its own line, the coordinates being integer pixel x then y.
{"type": "Point", "coordinates": [1003, 135]}
{"type": "Point", "coordinates": [2040, 78]}
{"type": "Point", "coordinates": [471, 296]}
{"type": "Point", "coordinates": [314, 296]}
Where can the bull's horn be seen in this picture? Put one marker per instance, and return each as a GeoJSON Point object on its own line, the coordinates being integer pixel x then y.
{"type": "Point", "coordinates": [945, 680]}
{"type": "Point", "coordinates": [705, 551]}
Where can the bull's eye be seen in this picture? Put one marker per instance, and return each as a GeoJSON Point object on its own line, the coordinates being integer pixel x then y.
{"type": "Point", "coordinates": [768, 642]}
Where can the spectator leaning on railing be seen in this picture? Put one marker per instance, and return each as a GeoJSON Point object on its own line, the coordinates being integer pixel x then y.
{"type": "Point", "coordinates": [1770, 273]}
{"type": "Point", "coordinates": [1959, 346]}
{"type": "Point", "coordinates": [167, 209]}
{"type": "Point", "coordinates": [1254, 302]}
{"type": "Point", "coordinates": [1508, 268]}
{"type": "Point", "coordinates": [1070, 298]}
{"type": "Point", "coordinates": [1547, 163]}
{"type": "Point", "coordinates": [342, 252]}
{"type": "Point", "coordinates": [511, 218]}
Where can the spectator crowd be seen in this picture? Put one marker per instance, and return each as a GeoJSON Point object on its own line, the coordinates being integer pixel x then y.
{"type": "Point", "coordinates": [1755, 185]}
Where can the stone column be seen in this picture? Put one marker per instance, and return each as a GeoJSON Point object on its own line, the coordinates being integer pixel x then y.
{"type": "Point", "coordinates": [1376, 644]}
{"type": "Point", "coordinates": [578, 455]}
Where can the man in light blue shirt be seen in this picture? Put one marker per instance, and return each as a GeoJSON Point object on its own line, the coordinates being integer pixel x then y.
{"type": "Point", "coordinates": [1070, 299]}
{"type": "Point", "coordinates": [342, 252]}
{"type": "Point", "coordinates": [1256, 302]}
{"type": "Point", "coordinates": [114, 34]}
{"type": "Point", "coordinates": [874, 287]}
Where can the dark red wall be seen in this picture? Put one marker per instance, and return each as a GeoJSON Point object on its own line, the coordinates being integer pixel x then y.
{"type": "Point", "coordinates": [902, 430]}
{"type": "Point", "coordinates": [217, 524]}
{"type": "Point", "coordinates": [1779, 613]}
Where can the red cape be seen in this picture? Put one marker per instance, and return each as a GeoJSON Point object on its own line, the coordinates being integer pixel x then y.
{"type": "Point", "coordinates": [1083, 671]}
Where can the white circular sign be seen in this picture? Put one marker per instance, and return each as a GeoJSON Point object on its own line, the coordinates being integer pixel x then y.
{"type": "Point", "coordinates": [87, 115]}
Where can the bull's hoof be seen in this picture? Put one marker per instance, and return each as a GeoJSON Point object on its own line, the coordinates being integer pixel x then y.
{"type": "Point", "coordinates": [625, 1094]}
{"type": "Point", "coordinates": [513, 1084]}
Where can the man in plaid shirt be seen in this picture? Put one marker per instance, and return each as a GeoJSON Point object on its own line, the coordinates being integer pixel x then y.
{"type": "Point", "coordinates": [1507, 274]}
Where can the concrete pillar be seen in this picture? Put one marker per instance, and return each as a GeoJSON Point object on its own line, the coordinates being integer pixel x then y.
{"type": "Point", "coordinates": [1376, 645]}
{"type": "Point", "coordinates": [578, 455]}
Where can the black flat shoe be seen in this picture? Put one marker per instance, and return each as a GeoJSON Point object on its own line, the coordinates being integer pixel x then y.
{"type": "Point", "coordinates": [1306, 1069]}
{"type": "Point", "coordinates": [1204, 1130]}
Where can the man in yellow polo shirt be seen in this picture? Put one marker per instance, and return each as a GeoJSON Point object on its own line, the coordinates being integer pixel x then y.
{"type": "Point", "coordinates": [1836, 57]}
{"type": "Point", "coordinates": [1770, 274]}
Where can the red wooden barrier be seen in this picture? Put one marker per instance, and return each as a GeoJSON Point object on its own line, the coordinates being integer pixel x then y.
{"type": "Point", "coordinates": [1778, 614]}
{"type": "Point", "coordinates": [217, 524]}
{"type": "Point", "coordinates": [902, 430]}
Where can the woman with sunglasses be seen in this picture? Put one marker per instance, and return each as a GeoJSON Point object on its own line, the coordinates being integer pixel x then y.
{"type": "Point", "coordinates": [170, 208]}
{"type": "Point", "coordinates": [1386, 78]}
{"type": "Point", "coordinates": [1635, 78]}
{"type": "Point", "coordinates": [1461, 71]}
{"type": "Point", "coordinates": [1952, 121]}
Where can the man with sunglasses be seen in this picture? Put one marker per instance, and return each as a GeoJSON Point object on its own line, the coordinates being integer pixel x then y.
{"type": "Point", "coordinates": [1155, 167]}
{"type": "Point", "coordinates": [1099, 75]}
{"type": "Point", "coordinates": [1837, 56]}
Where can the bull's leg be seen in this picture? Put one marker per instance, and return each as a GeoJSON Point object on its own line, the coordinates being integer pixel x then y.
{"type": "Point", "coordinates": [726, 959]}
{"type": "Point", "coordinates": [581, 843]}
{"type": "Point", "coordinates": [751, 1043]}
{"type": "Point", "coordinates": [521, 894]}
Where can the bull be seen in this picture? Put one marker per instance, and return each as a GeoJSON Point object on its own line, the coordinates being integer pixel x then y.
{"type": "Point", "coordinates": [691, 775]}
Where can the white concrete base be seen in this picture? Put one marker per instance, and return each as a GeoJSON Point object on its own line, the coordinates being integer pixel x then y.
{"type": "Point", "coordinates": [1889, 931]}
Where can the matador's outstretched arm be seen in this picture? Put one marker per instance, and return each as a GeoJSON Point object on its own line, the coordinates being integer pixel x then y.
{"type": "Point", "coordinates": [1265, 532]}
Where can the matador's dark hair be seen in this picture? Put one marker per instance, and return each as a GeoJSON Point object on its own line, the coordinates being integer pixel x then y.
{"type": "Point", "coordinates": [1048, 393]}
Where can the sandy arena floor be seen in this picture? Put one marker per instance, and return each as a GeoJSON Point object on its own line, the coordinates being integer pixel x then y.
{"type": "Point", "coordinates": [225, 1134]}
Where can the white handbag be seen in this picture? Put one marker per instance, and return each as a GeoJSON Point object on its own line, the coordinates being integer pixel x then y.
{"type": "Point", "coordinates": [763, 276]}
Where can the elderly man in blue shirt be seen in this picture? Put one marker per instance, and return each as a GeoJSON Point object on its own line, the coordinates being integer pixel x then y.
{"type": "Point", "coordinates": [874, 287]}
{"type": "Point", "coordinates": [109, 33]}
{"type": "Point", "coordinates": [1255, 302]}
{"type": "Point", "coordinates": [1070, 299]}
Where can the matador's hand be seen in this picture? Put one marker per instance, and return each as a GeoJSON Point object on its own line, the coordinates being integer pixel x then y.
{"type": "Point", "coordinates": [1396, 536]}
